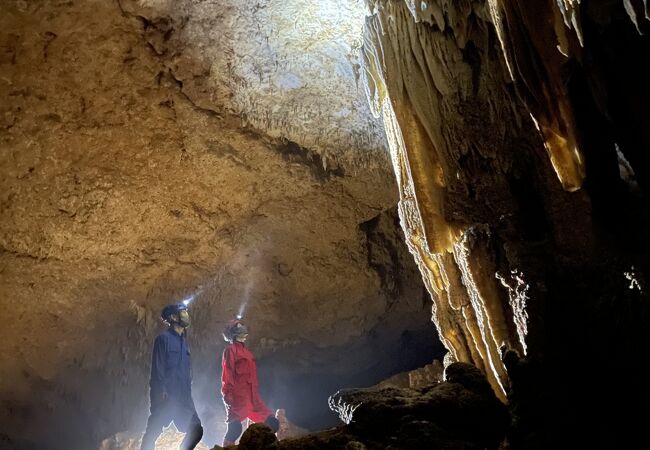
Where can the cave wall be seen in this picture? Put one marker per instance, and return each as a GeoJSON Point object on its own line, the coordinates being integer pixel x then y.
{"type": "Point", "coordinates": [124, 186]}
{"type": "Point", "coordinates": [512, 129]}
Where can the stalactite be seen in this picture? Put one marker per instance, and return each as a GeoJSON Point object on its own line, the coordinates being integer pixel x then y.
{"type": "Point", "coordinates": [496, 236]}
{"type": "Point", "coordinates": [518, 293]}
{"type": "Point", "coordinates": [536, 68]}
{"type": "Point", "coordinates": [536, 55]}
{"type": "Point", "coordinates": [475, 261]}
{"type": "Point", "coordinates": [427, 69]}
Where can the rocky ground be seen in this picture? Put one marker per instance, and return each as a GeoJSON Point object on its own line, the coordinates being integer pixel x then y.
{"type": "Point", "coordinates": [461, 412]}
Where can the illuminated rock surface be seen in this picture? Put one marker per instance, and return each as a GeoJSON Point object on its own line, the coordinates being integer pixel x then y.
{"type": "Point", "coordinates": [171, 438]}
{"type": "Point", "coordinates": [289, 68]}
{"type": "Point", "coordinates": [511, 126]}
{"type": "Point", "coordinates": [457, 137]}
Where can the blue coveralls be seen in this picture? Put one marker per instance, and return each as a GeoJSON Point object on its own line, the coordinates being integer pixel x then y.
{"type": "Point", "coordinates": [171, 372]}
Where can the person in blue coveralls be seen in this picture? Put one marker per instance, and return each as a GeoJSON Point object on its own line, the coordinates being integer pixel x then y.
{"type": "Point", "coordinates": [171, 382]}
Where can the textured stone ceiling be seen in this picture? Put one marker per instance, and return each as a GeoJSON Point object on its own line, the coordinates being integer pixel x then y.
{"type": "Point", "coordinates": [290, 68]}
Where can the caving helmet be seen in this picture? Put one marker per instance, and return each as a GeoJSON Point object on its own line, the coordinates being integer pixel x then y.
{"type": "Point", "coordinates": [233, 329]}
{"type": "Point", "coordinates": [169, 310]}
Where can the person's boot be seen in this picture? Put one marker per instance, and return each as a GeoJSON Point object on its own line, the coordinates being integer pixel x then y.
{"type": "Point", "coordinates": [233, 431]}
{"type": "Point", "coordinates": [148, 441]}
{"type": "Point", "coordinates": [150, 435]}
{"type": "Point", "coordinates": [192, 437]}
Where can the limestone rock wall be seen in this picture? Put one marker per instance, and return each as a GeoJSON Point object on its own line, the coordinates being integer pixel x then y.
{"type": "Point", "coordinates": [125, 186]}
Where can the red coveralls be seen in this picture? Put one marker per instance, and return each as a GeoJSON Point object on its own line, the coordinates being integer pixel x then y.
{"type": "Point", "coordinates": [239, 385]}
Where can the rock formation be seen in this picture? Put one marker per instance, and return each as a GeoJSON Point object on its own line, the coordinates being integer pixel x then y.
{"type": "Point", "coordinates": [459, 413]}
{"type": "Point", "coordinates": [513, 127]}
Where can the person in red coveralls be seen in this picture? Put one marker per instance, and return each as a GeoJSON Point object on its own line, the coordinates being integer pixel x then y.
{"type": "Point", "coordinates": [239, 385]}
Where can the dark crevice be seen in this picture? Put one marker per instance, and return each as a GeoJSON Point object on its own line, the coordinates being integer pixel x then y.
{"type": "Point", "coordinates": [533, 224]}
{"type": "Point", "coordinates": [382, 257]}
{"type": "Point", "coordinates": [472, 56]}
{"type": "Point", "coordinates": [321, 168]}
